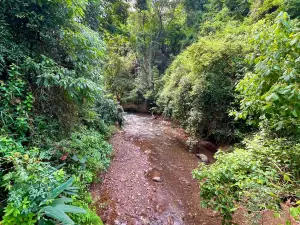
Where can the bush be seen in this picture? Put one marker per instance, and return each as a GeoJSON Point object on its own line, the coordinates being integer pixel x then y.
{"type": "Point", "coordinates": [270, 94]}
{"type": "Point", "coordinates": [30, 181]}
{"type": "Point", "coordinates": [50, 76]}
{"type": "Point", "coordinates": [199, 86]}
{"type": "Point", "coordinates": [108, 110]}
{"type": "Point", "coordinates": [29, 184]}
{"type": "Point", "coordinates": [265, 172]}
{"type": "Point", "coordinates": [90, 217]}
{"type": "Point", "coordinates": [16, 104]}
{"type": "Point", "coordinates": [85, 153]}
{"type": "Point", "coordinates": [256, 177]}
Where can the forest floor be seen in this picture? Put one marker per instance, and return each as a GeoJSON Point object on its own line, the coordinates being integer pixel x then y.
{"type": "Point", "coordinates": [150, 178]}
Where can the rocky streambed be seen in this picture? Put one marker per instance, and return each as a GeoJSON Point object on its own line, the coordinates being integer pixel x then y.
{"type": "Point", "coordinates": [150, 178]}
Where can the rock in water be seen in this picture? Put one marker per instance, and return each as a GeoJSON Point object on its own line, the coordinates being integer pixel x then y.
{"type": "Point", "coordinates": [203, 158]}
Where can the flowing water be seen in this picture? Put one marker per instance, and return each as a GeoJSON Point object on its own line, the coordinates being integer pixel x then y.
{"type": "Point", "coordinates": [149, 149]}
{"type": "Point", "coordinates": [150, 179]}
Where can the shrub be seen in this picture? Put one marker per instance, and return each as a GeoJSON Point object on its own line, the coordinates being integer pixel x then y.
{"type": "Point", "coordinates": [90, 217]}
{"type": "Point", "coordinates": [34, 188]}
{"type": "Point", "coordinates": [85, 153]}
{"type": "Point", "coordinates": [50, 74]}
{"type": "Point", "coordinates": [198, 86]}
{"type": "Point", "coordinates": [107, 109]}
{"type": "Point", "coordinates": [30, 179]}
{"type": "Point", "coordinates": [256, 177]}
{"type": "Point", "coordinates": [266, 171]}
{"type": "Point", "coordinates": [15, 105]}
{"type": "Point", "coordinates": [270, 94]}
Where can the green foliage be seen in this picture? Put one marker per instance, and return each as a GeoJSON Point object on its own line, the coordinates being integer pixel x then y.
{"type": "Point", "coordinates": [15, 105]}
{"type": "Point", "coordinates": [54, 66]}
{"type": "Point", "coordinates": [256, 177]}
{"type": "Point", "coordinates": [268, 8]}
{"type": "Point", "coordinates": [31, 180]}
{"type": "Point", "coordinates": [87, 153]}
{"type": "Point", "coordinates": [85, 50]}
{"type": "Point", "coordinates": [90, 217]}
{"type": "Point", "coordinates": [199, 86]}
{"type": "Point", "coordinates": [115, 16]}
{"type": "Point", "coordinates": [292, 7]}
{"type": "Point", "coordinates": [34, 188]}
{"type": "Point", "coordinates": [156, 33]}
{"type": "Point", "coordinates": [295, 211]}
{"type": "Point", "coordinates": [108, 110]}
{"type": "Point", "coordinates": [49, 74]}
{"type": "Point", "coordinates": [10, 146]}
{"type": "Point", "coordinates": [13, 216]}
{"type": "Point", "coordinates": [264, 172]}
{"type": "Point", "coordinates": [51, 60]}
{"type": "Point", "coordinates": [57, 209]}
{"type": "Point", "coordinates": [119, 67]}
{"type": "Point", "coordinates": [271, 91]}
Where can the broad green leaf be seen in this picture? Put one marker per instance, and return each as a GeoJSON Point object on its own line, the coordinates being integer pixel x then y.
{"type": "Point", "coordinates": [61, 201]}
{"type": "Point", "coordinates": [57, 191]}
{"type": "Point", "coordinates": [57, 214]}
{"type": "Point", "coordinates": [70, 208]}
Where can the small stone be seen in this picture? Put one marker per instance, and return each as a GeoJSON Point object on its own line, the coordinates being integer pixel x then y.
{"type": "Point", "coordinates": [170, 220]}
{"type": "Point", "coordinates": [159, 208]}
{"type": "Point", "coordinates": [203, 158]}
{"type": "Point", "coordinates": [148, 152]}
{"type": "Point", "coordinates": [156, 176]}
{"type": "Point", "coordinates": [156, 179]}
{"type": "Point", "coordinates": [183, 180]}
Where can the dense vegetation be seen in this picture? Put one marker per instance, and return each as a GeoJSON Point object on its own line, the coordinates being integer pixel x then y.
{"type": "Point", "coordinates": [55, 116]}
{"type": "Point", "coordinates": [226, 70]}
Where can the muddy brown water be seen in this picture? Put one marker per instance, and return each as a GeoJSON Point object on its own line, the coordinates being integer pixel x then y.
{"type": "Point", "coordinates": [144, 149]}
{"type": "Point", "coordinates": [127, 194]}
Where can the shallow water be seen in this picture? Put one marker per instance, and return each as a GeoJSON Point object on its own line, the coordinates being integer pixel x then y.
{"type": "Point", "coordinates": [144, 149]}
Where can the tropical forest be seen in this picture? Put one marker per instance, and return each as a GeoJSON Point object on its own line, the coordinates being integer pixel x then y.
{"type": "Point", "coordinates": [149, 112]}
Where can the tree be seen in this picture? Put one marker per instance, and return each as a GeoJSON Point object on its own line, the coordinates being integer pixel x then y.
{"type": "Point", "coordinates": [270, 93]}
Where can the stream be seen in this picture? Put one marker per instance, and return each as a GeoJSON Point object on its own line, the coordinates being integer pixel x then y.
{"type": "Point", "coordinates": [150, 182]}
{"type": "Point", "coordinates": [150, 177]}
